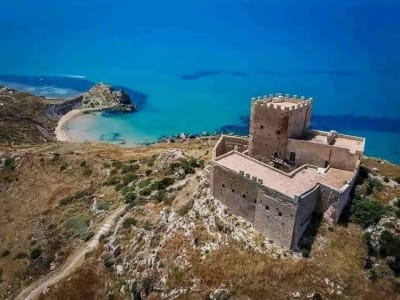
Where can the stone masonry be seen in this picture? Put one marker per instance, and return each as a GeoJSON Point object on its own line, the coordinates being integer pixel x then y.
{"type": "Point", "coordinates": [285, 171]}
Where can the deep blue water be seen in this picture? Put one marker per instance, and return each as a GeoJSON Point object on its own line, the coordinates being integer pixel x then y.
{"type": "Point", "coordinates": [193, 66]}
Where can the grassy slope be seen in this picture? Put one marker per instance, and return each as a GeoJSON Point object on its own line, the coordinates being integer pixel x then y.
{"type": "Point", "coordinates": [22, 118]}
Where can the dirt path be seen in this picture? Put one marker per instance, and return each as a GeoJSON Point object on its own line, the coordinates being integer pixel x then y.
{"type": "Point", "coordinates": [73, 262]}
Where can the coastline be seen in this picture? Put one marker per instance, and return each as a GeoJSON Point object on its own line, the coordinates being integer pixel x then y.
{"type": "Point", "coordinates": [59, 131]}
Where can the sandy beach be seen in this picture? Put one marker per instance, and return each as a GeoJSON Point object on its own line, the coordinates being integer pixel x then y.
{"type": "Point", "coordinates": [60, 132]}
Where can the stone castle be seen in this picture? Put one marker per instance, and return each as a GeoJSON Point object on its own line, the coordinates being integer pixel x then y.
{"type": "Point", "coordinates": [285, 172]}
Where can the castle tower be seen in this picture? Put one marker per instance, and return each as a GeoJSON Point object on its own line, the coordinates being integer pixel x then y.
{"type": "Point", "coordinates": [275, 119]}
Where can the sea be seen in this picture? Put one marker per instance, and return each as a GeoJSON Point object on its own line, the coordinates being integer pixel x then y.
{"type": "Point", "coordinates": [193, 66]}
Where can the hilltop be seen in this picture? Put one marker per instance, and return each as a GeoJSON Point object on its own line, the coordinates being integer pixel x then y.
{"type": "Point", "coordinates": [173, 241]}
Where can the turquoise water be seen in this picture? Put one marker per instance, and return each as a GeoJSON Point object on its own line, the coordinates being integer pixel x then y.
{"type": "Point", "coordinates": [192, 66]}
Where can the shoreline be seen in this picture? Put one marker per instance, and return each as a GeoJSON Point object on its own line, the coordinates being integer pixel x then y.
{"type": "Point", "coordinates": [61, 134]}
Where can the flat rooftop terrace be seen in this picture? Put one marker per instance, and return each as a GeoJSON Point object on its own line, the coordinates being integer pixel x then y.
{"type": "Point", "coordinates": [301, 182]}
{"type": "Point", "coordinates": [341, 141]}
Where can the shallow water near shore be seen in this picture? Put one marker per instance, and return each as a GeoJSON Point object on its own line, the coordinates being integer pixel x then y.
{"type": "Point", "coordinates": [193, 67]}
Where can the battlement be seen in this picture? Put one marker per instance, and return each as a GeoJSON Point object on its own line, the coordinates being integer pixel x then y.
{"type": "Point", "coordinates": [282, 102]}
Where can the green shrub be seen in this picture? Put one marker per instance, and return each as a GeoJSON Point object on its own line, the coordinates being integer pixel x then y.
{"type": "Point", "coordinates": [78, 195]}
{"type": "Point", "coordinates": [5, 253]}
{"type": "Point", "coordinates": [144, 183]}
{"type": "Point", "coordinates": [162, 184]}
{"type": "Point", "coordinates": [397, 179]}
{"type": "Point", "coordinates": [111, 181]}
{"type": "Point", "coordinates": [118, 186]}
{"type": "Point", "coordinates": [78, 226]}
{"type": "Point", "coordinates": [130, 197]}
{"type": "Point", "coordinates": [185, 208]}
{"type": "Point", "coordinates": [367, 212]}
{"type": "Point", "coordinates": [87, 171]}
{"type": "Point", "coordinates": [103, 205]}
{"type": "Point", "coordinates": [108, 262]}
{"type": "Point", "coordinates": [128, 222]}
{"type": "Point", "coordinates": [117, 164]}
{"type": "Point", "coordinates": [145, 192]}
{"type": "Point", "coordinates": [305, 252]}
{"type": "Point", "coordinates": [9, 163]}
{"type": "Point", "coordinates": [63, 167]}
{"type": "Point", "coordinates": [148, 284]}
{"type": "Point", "coordinates": [148, 172]}
{"type": "Point", "coordinates": [21, 255]}
{"type": "Point", "coordinates": [390, 245]}
{"type": "Point", "coordinates": [35, 253]}
{"type": "Point", "coordinates": [128, 178]}
{"type": "Point", "coordinates": [130, 168]}
{"type": "Point", "coordinates": [160, 195]}
{"type": "Point", "coordinates": [151, 161]}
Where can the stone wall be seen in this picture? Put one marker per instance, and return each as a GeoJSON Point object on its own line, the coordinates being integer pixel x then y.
{"type": "Point", "coordinates": [234, 190]}
{"type": "Point", "coordinates": [345, 194]}
{"type": "Point", "coordinates": [268, 131]}
{"type": "Point", "coordinates": [322, 154]}
{"type": "Point", "coordinates": [307, 204]}
{"type": "Point", "coordinates": [299, 120]}
{"type": "Point", "coordinates": [228, 143]}
{"type": "Point", "coordinates": [275, 216]}
{"type": "Point", "coordinates": [271, 212]}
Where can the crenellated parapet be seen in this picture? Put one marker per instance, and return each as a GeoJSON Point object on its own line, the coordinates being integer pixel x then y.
{"type": "Point", "coordinates": [281, 102]}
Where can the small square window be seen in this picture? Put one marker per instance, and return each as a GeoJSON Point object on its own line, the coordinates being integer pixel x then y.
{"type": "Point", "coordinates": [280, 214]}
{"type": "Point", "coordinates": [261, 126]}
{"type": "Point", "coordinates": [266, 207]}
{"type": "Point", "coordinates": [233, 190]}
{"type": "Point", "coordinates": [223, 185]}
{"type": "Point", "coordinates": [244, 195]}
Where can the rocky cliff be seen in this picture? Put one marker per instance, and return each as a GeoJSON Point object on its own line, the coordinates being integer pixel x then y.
{"type": "Point", "coordinates": [103, 96]}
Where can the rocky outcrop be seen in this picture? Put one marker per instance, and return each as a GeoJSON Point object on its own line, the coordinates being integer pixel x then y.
{"type": "Point", "coordinates": [103, 96]}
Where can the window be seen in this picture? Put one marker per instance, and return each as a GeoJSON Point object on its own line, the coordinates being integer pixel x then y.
{"type": "Point", "coordinates": [223, 185]}
{"type": "Point", "coordinates": [292, 156]}
{"type": "Point", "coordinates": [276, 155]}
{"type": "Point", "coordinates": [244, 195]}
{"type": "Point", "coordinates": [261, 126]}
{"type": "Point", "coordinates": [266, 207]}
{"type": "Point", "coordinates": [280, 214]}
{"type": "Point", "coordinates": [278, 132]}
{"type": "Point", "coordinates": [233, 190]}
{"type": "Point", "coordinates": [255, 201]}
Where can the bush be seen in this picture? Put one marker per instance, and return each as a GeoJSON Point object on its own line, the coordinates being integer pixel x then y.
{"type": "Point", "coordinates": [185, 208]}
{"type": "Point", "coordinates": [9, 163]}
{"type": "Point", "coordinates": [78, 195]}
{"type": "Point", "coordinates": [130, 197]}
{"type": "Point", "coordinates": [63, 167]}
{"type": "Point", "coordinates": [103, 205]}
{"type": "Point", "coordinates": [144, 183]}
{"type": "Point", "coordinates": [151, 161]}
{"type": "Point", "coordinates": [5, 253]}
{"type": "Point", "coordinates": [130, 168]}
{"type": "Point", "coordinates": [160, 195]}
{"type": "Point", "coordinates": [145, 192]}
{"type": "Point", "coordinates": [78, 226]}
{"type": "Point", "coordinates": [111, 181]}
{"type": "Point", "coordinates": [397, 179]}
{"type": "Point", "coordinates": [162, 184]}
{"type": "Point", "coordinates": [117, 164]}
{"type": "Point", "coordinates": [128, 178]}
{"type": "Point", "coordinates": [148, 172]}
{"type": "Point", "coordinates": [21, 255]}
{"type": "Point", "coordinates": [367, 212]}
{"type": "Point", "coordinates": [108, 262]}
{"type": "Point", "coordinates": [128, 222]}
{"type": "Point", "coordinates": [305, 252]}
{"type": "Point", "coordinates": [35, 253]}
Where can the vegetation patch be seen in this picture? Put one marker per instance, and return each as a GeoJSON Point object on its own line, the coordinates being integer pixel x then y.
{"type": "Point", "coordinates": [367, 212]}
{"type": "Point", "coordinates": [79, 227]}
{"type": "Point", "coordinates": [78, 195]}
